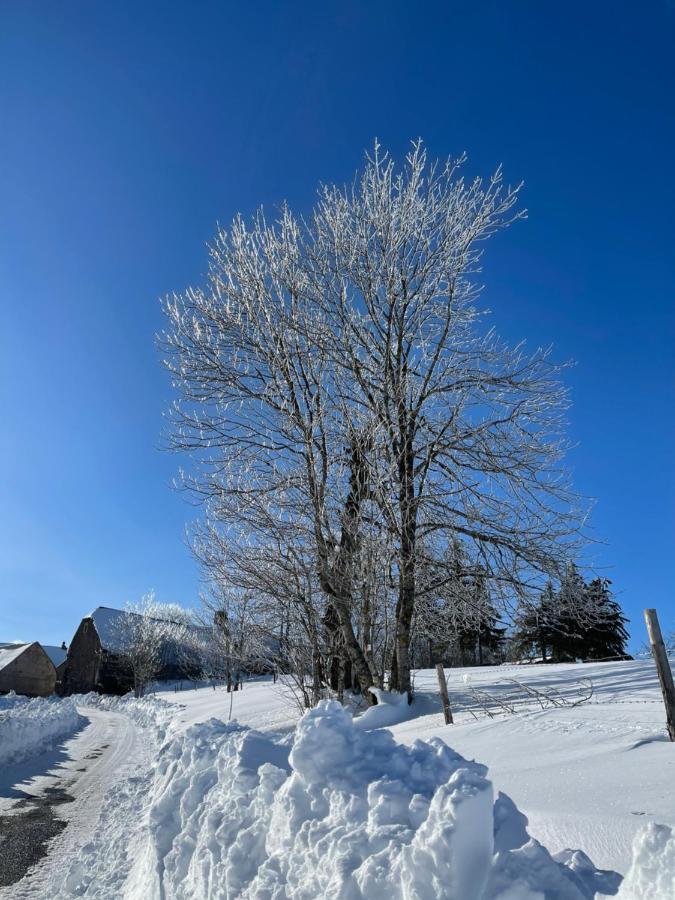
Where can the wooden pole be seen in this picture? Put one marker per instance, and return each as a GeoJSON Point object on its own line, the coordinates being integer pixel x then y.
{"type": "Point", "coordinates": [443, 687]}
{"type": "Point", "coordinates": [662, 667]}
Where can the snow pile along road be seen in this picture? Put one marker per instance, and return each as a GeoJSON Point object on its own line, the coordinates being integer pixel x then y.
{"type": "Point", "coordinates": [148, 712]}
{"type": "Point", "coordinates": [29, 727]}
{"type": "Point", "coordinates": [652, 874]}
{"type": "Point", "coordinates": [346, 813]}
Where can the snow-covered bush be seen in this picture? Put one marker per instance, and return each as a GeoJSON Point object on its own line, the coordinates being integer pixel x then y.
{"type": "Point", "coordinates": [340, 812]}
{"type": "Point", "coordinates": [29, 727]}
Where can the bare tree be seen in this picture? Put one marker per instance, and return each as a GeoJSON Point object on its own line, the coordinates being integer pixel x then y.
{"type": "Point", "coordinates": [146, 636]}
{"type": "Point", "coordinates": [232, 635]}
{"type": "Point", "coordinates": [336, 376]}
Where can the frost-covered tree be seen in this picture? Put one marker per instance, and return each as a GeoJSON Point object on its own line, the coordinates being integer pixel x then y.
{"type": "Point", "coordinates": [145, 635]}
{"type": "Point", "coordinates": [338, 384]}
{"type": "Point", "coordinates": [230, 640]}
{"type": "Point", "coordinates": [456, 621]}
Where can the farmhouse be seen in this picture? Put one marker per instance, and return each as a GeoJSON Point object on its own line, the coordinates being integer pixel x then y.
{"type": "Point", "coordinates": [95, 661]}
{"type": "Point", "coordinates": [26, 669]}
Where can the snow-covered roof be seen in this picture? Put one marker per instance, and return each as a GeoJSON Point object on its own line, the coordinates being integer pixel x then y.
{"type": "Point", "coordinates": [107, 622]}
{"type": "Point", "coordinates": [56, 654]}
{"type": "Point", "coordinates": [9, 652]}
{"type": "Point", "coordinates": [109, 625]}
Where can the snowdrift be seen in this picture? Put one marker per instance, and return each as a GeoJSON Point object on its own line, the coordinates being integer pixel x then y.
{"type": "Point", "coordinates": [29, 727]}
{"type": "Point", "coordinates": [652, 873]}
{"type": "Point", "coordinates": [339, 812]}
{"type": "Point", "coordinates": [148, 712]}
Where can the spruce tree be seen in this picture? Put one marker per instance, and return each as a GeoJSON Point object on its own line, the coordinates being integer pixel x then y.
{"type": "Point", "coordinates": [534, 625]}
{"type": "Point", "coordinates": [569, 619]}
{"type": "Point", "coordinates": [606, 637]}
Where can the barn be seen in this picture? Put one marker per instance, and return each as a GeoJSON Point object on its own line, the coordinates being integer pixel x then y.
{"type": "Point", "coordinates": [58, 657]}
{"type": "Point", "coordinates": [94, 661]}
{"type": "Point", "coordinates": [26, 669]}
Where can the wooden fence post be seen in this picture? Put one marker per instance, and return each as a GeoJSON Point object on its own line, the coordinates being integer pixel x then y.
{"type": "Point", "coordinates": [443, 687]}
{"type": "Point", "coordinates": [662, 667]}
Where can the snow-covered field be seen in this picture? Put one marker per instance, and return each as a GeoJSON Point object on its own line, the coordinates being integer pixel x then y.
{"type": "Point", "coordinates": [203, 807]}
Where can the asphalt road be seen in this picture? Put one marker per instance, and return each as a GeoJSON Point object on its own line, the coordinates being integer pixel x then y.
{"type": "Point", "coordinates": [25, 833]}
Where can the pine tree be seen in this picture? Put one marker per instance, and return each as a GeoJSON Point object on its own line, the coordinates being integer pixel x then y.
{"type": "Point", "coordinates": [607, 636]}
{"type": "Point", "coordinates": [579, 621]}
{"type": "Point", "coordinates": [488, 636]}
{"type": "Point", "coordinates": [535, 625]}
{"type": "Point", "coordinates": [569, 620]}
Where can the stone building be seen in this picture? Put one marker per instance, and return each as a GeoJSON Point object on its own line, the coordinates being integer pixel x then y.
{"type": "Point", "coordinates": [26, 669]}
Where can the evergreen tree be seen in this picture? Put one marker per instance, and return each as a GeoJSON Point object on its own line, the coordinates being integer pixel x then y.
{"type": "Point", "coordinates": [607, 636]}
{"type": "Point", "coordinates": [488, 636]}
{"type": "Point", "coordinates": [568, 618]}
{"type": "Point", "coordinates": [579, 621]}
{"type": "Point", "coordinates": [534, 626]}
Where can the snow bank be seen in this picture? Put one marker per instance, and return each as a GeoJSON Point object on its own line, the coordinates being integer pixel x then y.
{"type": "Point", "coordinates": [12, 699]}
{"type": "Point", "coordinates": [652, 872]}
{"type": "Point", "coordinates": [392, 708]}
{"type": "Point", "coordinates": [346, 813]}
{"type": "Point", "coordinates": [148, 712]}
{"type": "Point", "coordinates": [29, 727]}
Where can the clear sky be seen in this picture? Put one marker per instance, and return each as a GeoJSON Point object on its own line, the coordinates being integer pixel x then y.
{"type": "Point", "coordinates": [127, 130]}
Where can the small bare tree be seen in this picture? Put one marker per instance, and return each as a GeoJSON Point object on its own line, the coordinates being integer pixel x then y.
{"type": "Point", "coordinates": [231, 635]}
{"type": "Point", "coordinates": [144, 635]}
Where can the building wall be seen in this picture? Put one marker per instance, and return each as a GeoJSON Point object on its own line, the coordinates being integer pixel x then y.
{"type": "Point", "coordinates": [31, 673]}
{"type": "Point", "coordinates": [81, 670]}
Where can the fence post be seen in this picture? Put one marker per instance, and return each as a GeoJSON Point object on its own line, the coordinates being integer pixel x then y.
{"type": "Point", "coordinates": [443, 687]}
{"type": "Point", "coordinates": [663, 668]}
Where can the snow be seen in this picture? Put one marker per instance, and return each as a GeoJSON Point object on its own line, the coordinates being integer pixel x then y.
{"type": "Point", "coordinates": [261, 704]}
{"type": "Point", "coordinates": [9, 653]}
{"type": "Point", "coordinates": [106, 769]}
{"type": "Point", "coordinates": [346, 813]}
{"type": "Point", "coordinates": [274, 805]}
{"type": "Point", "coordinates": [108, 622]}
{"type": "Point", "coordinates": [152, 714]}
{"type": "Point", "coordinates": [56, 654]}
{"type": "Point", "coordinates": [12, 699]}
{"type": "Point", "coordinates": [29, 727]}
{"type": "Point", "coordinates": [392, 708]}
{"type": "Point", "coordinates": [652, 873]}
{"type": "Point", "coordinates": [587, 776]}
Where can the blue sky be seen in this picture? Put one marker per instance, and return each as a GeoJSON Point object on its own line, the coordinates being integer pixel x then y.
{"type": "Point", "coordinates": [130, 129]}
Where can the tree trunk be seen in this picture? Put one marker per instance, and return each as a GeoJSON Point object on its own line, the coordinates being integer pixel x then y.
{"type": "Point", "coordinates": [407, 559]}
{"type": "Point", "coordinates": [406, 604]}
{"type": "Point", "coordinates": [316, 677]}
{"type": "Point", "coordinates": [336, 577]}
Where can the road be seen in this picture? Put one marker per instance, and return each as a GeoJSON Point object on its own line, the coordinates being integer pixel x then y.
{"type": "Point", "coordinates": [49, 806]}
